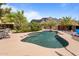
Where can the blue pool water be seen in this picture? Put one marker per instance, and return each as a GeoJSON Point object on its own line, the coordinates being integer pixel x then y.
{"type": "Point", "coordinates": [46, 39]}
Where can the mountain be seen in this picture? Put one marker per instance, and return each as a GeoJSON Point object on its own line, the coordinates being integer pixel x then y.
{"type": "Point", "coordinates": [45, 19]}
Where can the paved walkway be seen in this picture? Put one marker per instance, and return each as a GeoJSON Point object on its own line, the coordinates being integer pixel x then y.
{"type": "Point", "coordinates": [14, 47]}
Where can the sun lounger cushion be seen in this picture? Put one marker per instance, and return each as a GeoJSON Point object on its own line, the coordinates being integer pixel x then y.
{"type": "Point", "coordinates": [77, 31]}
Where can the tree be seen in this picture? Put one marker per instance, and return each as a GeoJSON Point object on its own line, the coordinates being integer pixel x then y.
{"type": "Point", "coordinates": [44, 24]}
{"type": "Point", "coordinates": [2, 4]}
{"type": "Point", "coordinates": [78, 22]}
{"type": "Point", "coordinates": [49, 24]}
{"type": "Point", "coordinates": [5, 13]}
{"type": "Point", "coordinates": [66, 21]}
{"type": "Point", "coordinates": [20, 21]}
{"type": "Point", "coordinates": [1, 14]}
{"type": "Point", "coordinates": [35, 26]}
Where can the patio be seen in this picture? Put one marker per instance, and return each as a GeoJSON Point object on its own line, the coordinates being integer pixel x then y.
{"type": "Point", "coordinates": [14, 47]}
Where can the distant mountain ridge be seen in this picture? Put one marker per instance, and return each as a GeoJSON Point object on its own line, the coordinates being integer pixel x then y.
{"type": "Point", "coordinates": [45, 19]}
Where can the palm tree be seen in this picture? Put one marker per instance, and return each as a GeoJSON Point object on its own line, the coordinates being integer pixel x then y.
{"type": "Point", "coordinates": [49, 24]}
{"type": "Point", "coordinates": [44, 24]}
{"type": "Point", "coordinates": [78, 22]}
{"type": "Point", "coordinates": [17, 18]}
{"type": "Point", "coordinates": [20, 21]}
{"type": "Point", "coordinates": [7, 10]}
{"type": "Point", "coordinates": [2, 4]}
{"type": "Point", "coordinates": [1, 14]}
{"type": "Point", "coordinates": [5, 14]}
{"type": "Point", "coordinates": [66, 21]}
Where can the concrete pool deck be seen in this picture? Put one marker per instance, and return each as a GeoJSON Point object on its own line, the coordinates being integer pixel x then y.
{"type": "Point", "coordinates": [14, 47]}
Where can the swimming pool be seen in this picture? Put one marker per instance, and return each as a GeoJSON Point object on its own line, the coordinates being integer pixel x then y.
{"type": "Point", "coordinates": [46, 39]}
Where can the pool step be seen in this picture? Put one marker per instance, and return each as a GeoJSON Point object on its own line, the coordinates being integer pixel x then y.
{"type": "Point", "coordinates": [58, 53]}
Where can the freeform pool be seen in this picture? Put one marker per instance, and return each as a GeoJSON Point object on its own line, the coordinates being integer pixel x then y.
{"type": "Point", "coordinates": [46, 39]}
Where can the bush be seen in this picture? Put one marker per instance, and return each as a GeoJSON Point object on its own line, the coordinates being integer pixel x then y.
{"type": "Point", "coordinates": [35, 26]}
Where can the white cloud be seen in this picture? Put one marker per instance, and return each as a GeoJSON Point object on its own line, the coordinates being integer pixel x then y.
{"type": "Point", "coordinates": [4, 6]}
{"type": "Point", "coordinates": [8, 6]}
{"type": "Point", "coordinates": [29, 14]}
{"type": "Point", "coordinates": [32, 15]}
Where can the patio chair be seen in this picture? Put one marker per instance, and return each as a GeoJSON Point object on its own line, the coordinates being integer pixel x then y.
{"type": "Point", "coordinates": [6, 33]}
{"type": "Point", "coordinates": [1, 35]}
{"type": "Point", "coordinates": [77, 30]}
{"type": "Point", "coordinates": [75, 34]}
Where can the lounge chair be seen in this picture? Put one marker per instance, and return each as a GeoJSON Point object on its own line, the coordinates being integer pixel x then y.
{"type": "Point", "coordinates": [6, 32]}
{"type": "Point", "coordinates": [1, 35]}
{"type": "Point", "coordinates": [76, 33]}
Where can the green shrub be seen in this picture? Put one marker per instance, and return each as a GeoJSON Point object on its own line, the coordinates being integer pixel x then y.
{"type": "Point", "coordinates": [35, 26]}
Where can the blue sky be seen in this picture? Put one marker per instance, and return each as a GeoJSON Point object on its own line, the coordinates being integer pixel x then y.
{"type": "Point", "coordinates": [39, 10]}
